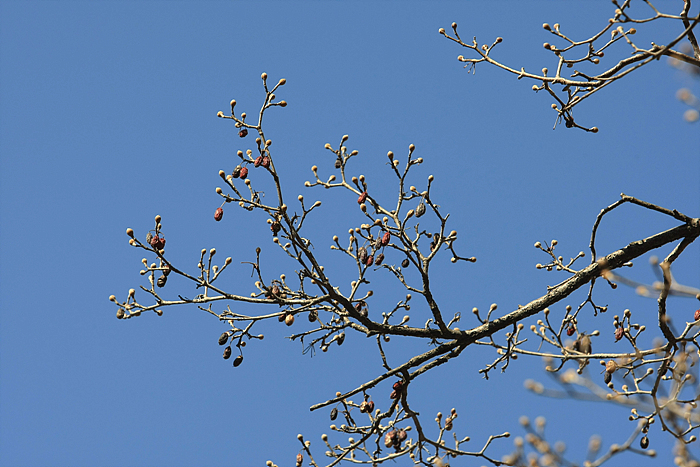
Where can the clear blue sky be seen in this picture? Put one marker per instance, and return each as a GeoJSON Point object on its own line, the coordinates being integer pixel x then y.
{"type": "Point", "coordinates": [108, 117]}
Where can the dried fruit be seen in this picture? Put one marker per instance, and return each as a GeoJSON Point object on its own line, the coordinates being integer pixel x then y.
{"type": "Point", "coordinates": [389, 438]}
{"type": "Point", "coordinates": [402, 435]}
{"type": "Point", "coordinates": [289, 320]}
{"type": "Point", "coordinates": [448, 423]}
{"type": "Point", "coordinates": [265, 162]}
{"type": "Point", "coordinates": [367, 407]}
{"type": "Point", "coordinates": [370, 260]}
{"type": "Point", "coordinates": [161, 281]}
{"type": "Point", "coordinates": [258, 161]}
{"type": "Point", "coordinates": [275, 227]}
{"type": "Point", "coordinates": [313, 316]}
{"type": "Point", "coordinates": [227, 353]}
{"type": "Point", "coordinates": [394, 395]}
{"type": "Point", "coordinates": [570, 331]}
{"type": "Point", "coordinates": [420, 210]}
{"type": "Point", "coordinates": [244, 173]}
{"type": "Point", "coordinates": [334, 413]}
{"type": "Point", "coordinates": [338, 163]}
{"type": "Point", "coordinates": [697, 315]}
{"type": "Point", "coordinates": [644, 442]}
{"type": "Point", "coordinates": [236, 172]}
{"type": "Point", "coordinates": [398, 385]}
{"type": "Point", "coordinates": [166, 270]}
{"type": "Point", "coordinates": [157, 242]}
{"type": "Point", "coordinates": [619, 333]}
{"type": "Point", "coordinates": [405, 263]}
{"type": "Point", "coordinates": [607, 377]}
{"type": "Point", "coordinates": [386, 238]}
{"type": "Point", "coordinates": [362, 198]}
{"type": "Point", "coordinates": [380, 258]}
{"type": "Point", "coordinates": [218, 214]}
{"type": "Point", "coordinates": [223, 339]}
{"type": "Point", "coordinates": [300, 459]}
{"type": "Point", "coordinates": [362, 255]}
{"type": "Point", "coordinates": [238, 360]}
{"type": "Point", "coordinates": [243, 133]}
{"type": "Point", "coordinates": [149, 237]}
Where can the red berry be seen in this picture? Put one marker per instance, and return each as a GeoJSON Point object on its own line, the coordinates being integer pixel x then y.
{"type": "Point", "coordinates": [362, 198]}
{"type": "Point", "coordinates": [158, 243]}
{"type": "Point", "coordinates": [265, 162]}
{"type": "Point", "coordinates": [380, 258]}
{"type": "Point", "coordinates": [394, 395]}
{"type": "Point", "coordinates": [385, 238]}
{"type": "Point", "coordinates": [218, 214]}
{"type": "Point", "coordinates": [243, 133]}
{"type": "Point", "coordinates": [243, 173]}
{"type": "Point", "coordinates": [258, 161]}
{"type": "Point", "coordinates": [697, 315]}
{"type": "Point", "coordinates": [398, 385]}
{"type": "Point", "coordinates": [570, 331]}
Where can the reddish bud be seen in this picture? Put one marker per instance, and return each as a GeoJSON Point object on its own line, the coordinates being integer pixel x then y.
{"type": "Point", "coordinates": [218, 214]}
{"type": "Point", "coordinates": [243, 133]}
{"type": "Point", "coordinates": [243, 173]}
{"type": "Point", "coordinates": [362, 198]}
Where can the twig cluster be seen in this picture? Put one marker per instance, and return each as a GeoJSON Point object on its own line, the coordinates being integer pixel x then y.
{"type": "Point", "coordinates": [396, 237]}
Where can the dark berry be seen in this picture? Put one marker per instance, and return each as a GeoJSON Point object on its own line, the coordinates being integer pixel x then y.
{"type": "Point", "coordinates": [644, 442]}
{"type": "Point", "coordinates": [223, 339]}
{"type": "Point", "coordinates": [227, 353]}
{"type": "Point", "coordinates": [380, 258]}
{"type": "Point", "coordinates": [161, 281]}
{"type": "Point", "coordinates": [338, 163]}
{"type": "Point", "coordinates": [334, 413]}
{"type": "Point", "coordinates": [238, 360]}
{"type": "Point", "coordinates": [243, 133]}
{"type": "Point", "coordinates": [405, 263]}
{"type": "Point", "coordinates": [218, 214]}
{"type": "Point", "coordinates": [236, 172]}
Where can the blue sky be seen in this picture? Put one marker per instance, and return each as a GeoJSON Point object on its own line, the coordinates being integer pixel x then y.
{"type": "Point", "coordinates": [108, 117]}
